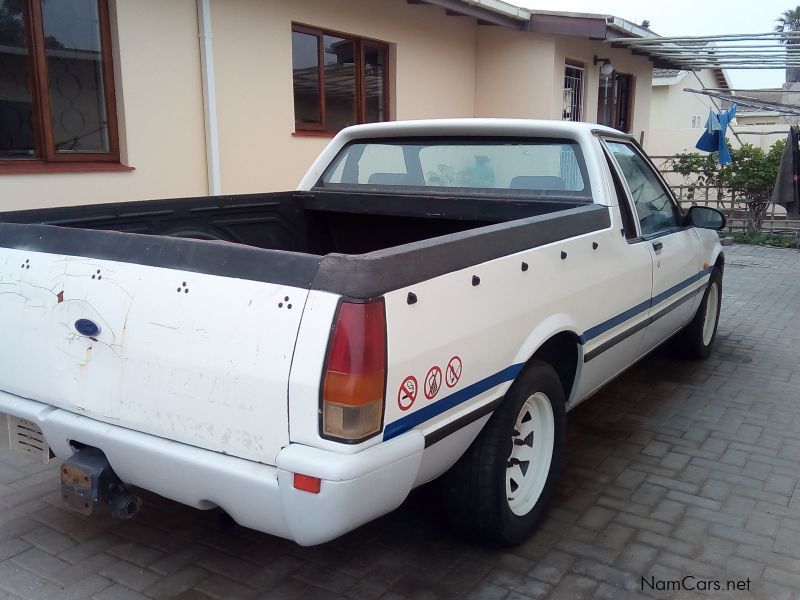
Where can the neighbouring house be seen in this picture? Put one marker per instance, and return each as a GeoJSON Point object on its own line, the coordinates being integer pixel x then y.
{"type": "Point", "coordinates": [112, 100]}
{"type": "Point", "coordinates": [766, 122]}
{"type": "Point", "coordinates": [678, 117]}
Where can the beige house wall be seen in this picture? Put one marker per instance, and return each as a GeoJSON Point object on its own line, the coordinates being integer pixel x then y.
{"type": "Point", "coordinates": [673, 108]}
{"type": "Point", "coordinates": [160, 109]}
{"type": "Point", "coordinates": [515, 74]}
{"type": "Point", "coordinates": [433, 55]}
{"type": "Point", "coordinates": [521, 75]}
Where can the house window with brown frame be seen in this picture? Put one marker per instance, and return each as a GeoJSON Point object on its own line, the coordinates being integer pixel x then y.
{"type": "Point", "coordinates": [56, 82]}
{"type": "Point", "coordinates": [339, 80]}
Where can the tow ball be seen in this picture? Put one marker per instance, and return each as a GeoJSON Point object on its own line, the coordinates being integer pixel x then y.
{"type": "Point", "coordinates": [88, 481]}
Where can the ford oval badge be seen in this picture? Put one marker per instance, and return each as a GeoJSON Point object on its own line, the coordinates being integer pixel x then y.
{"type": "Point", "coordinates": [87, 327]}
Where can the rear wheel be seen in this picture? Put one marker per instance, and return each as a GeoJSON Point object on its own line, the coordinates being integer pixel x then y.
{"type": "Point", "coordinates": [697, 338]}
{"type": "Point", "coordinates": [500, 489]}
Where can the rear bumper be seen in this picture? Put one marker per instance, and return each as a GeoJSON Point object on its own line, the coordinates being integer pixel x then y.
{"type": "Point", "coordinates": [355, 489]}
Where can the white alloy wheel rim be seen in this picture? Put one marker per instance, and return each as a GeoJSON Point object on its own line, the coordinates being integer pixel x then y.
{"type": "Point", "coordinates": [712, 306]}
{"type": "Point", "coordinates": [531, 454]}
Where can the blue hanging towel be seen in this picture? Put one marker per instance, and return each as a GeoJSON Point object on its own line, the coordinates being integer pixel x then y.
{"type": "Point", "coordinates": [713, 138]}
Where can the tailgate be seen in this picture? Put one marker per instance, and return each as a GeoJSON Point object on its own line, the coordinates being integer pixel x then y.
{"type": "Point", "coordinates": [198, 358]}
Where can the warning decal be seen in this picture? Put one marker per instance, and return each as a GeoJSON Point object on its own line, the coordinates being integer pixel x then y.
{"type": "Point", "coordinates": [407, 392]}
{"type": "Point", "coordinates": [433, 382]}
{"type": "Point", "coordinates": [453, 372]}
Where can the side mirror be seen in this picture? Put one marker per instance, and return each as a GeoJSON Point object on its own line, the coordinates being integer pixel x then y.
{"type": "Point", "coordinates": [706, 218]}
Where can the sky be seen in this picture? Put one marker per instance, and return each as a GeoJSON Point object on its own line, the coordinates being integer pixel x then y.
{"type": "Point", "coordinates": [690, 17]}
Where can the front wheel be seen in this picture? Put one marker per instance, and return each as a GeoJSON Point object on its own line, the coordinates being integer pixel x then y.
{"type": "Point", "coordinates": [696, 339]}
{"type": "Point", "coordinates": [501, 488]}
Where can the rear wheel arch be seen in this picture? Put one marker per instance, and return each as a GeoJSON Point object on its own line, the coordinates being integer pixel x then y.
{"type": "Point", "coordinates": [562, 352]}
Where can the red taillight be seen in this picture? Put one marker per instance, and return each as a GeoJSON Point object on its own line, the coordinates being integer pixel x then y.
{"type": "Point", "coordinates": [355, 374]}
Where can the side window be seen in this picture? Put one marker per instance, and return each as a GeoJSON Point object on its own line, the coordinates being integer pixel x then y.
{"type": "Point", "coordinates": [622, 200]}
{"type": "Point", "coordinates": [654, 206]}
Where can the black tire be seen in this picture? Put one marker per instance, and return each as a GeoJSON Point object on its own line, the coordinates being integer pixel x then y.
{"type": "Point", "coordinates": [689, 342]}
{"type": "Point", "coordinates": [474, 490]}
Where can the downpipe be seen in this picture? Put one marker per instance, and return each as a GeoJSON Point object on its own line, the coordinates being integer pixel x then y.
{"type": "Point", "coordinates": [88, 482]}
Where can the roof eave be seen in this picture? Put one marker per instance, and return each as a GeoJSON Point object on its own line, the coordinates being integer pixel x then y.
{"type": "Point", "coordinates": [494, 12]}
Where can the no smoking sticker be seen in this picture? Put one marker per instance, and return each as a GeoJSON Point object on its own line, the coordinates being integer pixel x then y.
{"type": "Point", "coordinates": [433, 382]}
{"type": "Point", "coordinates": [407, 392]}
{"type": "Point", "coordinates": [453, 372]}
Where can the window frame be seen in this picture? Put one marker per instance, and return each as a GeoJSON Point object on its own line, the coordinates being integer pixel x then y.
{"type": "Point", "coordinates": [361, 44]}
{"type": "Point", "coordinates": [631, 204]}
{"type": "Point", "coordinates": [47, 159]}
{"type": "Point", "coordinates": [628, 105]}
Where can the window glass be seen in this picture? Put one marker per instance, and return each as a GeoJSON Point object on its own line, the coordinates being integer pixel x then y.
{"type": "Point", "coordinates": [75, 70]}
{"type": "Point", "coordinates": [654, 207]}
{"type": "Point", "coordinates": [375, 61]}
{"type": "Point", "coordinates": [305, 65]}
{"type": "Point", "coordinates": [531, 167]}
{"type": "Point", "coordinates": [16, 102]}
{"type": "Point", "coordinates": [340, 82]}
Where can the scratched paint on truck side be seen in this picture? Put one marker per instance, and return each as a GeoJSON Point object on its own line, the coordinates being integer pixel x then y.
{"type": "Point", "coordinates": [196, 358]}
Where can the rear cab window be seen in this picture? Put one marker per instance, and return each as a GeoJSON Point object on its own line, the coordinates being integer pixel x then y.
{"type": "Point", "coordinates": [502, 167]}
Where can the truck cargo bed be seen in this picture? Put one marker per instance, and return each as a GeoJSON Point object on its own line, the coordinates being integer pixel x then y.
{"type": "Point", "coordinates": [355, 244]}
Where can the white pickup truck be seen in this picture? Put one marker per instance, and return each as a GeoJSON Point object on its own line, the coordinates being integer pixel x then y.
{"type": "Point", "coordinates": [431, 301]}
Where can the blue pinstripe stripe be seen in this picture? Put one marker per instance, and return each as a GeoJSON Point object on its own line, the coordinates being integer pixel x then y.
{"type": "Point", "coordinates": [509, 373]}
{"type": "Point", "coordinates": [432, 410]}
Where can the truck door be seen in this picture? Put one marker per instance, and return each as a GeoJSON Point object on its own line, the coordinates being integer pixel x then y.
{"type": "Point", "coordinates": [615, 341]}
{"type": "Point", "coordinates": [675, 249]}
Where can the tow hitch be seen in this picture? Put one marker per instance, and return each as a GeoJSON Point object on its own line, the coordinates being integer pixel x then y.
{"type": "Point", "coordinates": [87, 480]}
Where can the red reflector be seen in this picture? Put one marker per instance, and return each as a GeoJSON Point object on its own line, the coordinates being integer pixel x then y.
{"type": "Point", "coordinates": [307, 483]}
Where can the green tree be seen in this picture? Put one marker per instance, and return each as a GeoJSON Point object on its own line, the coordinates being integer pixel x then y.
{"type": "Point", "coordinates": [789, 21]}
{"type": "Point", "coordinates": [750, 175]}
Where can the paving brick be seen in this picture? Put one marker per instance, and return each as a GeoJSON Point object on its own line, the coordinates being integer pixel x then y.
{"type": "Point", "coordinates": [780, 484]}
{"type": "Point", "coordinates": [693, 500]}
{"type": "Point", "coordinates": [87, 587]}
{"type": "Point", "coordinates": [118, 592]}
{"type": "Point", "coordinates": [74, 573]}
{"type": "Point", "coordinates": [130, 575]}
{"type": "Point", "coordinates": [48, 540]}
{"type": "Point", "coordinates": [600, 572]}
{"type": "Point", "coordinates": [597, 517]}
{"type": "Point", "coordinates": [615, 536]}
{"type": "Point", "coordinates": [39, 562]}
{"type": "Point", "coordinates": [518, 583]}
{"type": "Point", "coordinates": [636, 557]}
{"type": "Point", "coordinates": [178, 582]}
{"type": "Point", "coordinates": [658, 449]}
{"type": "Point", "coordinates": [552, 567]}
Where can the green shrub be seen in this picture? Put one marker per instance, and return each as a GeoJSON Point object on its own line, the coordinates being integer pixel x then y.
{"type": "Point", "coordinates": [766, 239]}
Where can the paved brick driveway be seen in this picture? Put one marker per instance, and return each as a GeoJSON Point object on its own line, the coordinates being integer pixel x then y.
{"type": "Point", "coordinates": [675, 469]}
